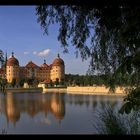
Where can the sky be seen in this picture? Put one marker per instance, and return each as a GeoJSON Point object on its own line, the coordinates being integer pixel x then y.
{"type": "Point", "coordinates": [20, 33]}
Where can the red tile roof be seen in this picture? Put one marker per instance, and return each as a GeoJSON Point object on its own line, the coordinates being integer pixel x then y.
{"type": "Point", "coordinates": [44, 65]}
{"type": "Point", "coordinates": [58, 62]}
{"type": "Point", "coordinates": [12, 61]}
{"type": "Point", "coordinates": [47, 81]}
{"type": "Point", "coordinates": [31, 65]}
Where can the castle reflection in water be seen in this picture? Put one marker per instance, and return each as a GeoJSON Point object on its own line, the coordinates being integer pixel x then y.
{"type": "Point", "coordinates": [12, 105]}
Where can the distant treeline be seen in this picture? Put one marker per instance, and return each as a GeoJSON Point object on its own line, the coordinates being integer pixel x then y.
{"type": "Point", "coordinates": [84, 80]}
{"type": "Point", "coordinates": [90, 80]}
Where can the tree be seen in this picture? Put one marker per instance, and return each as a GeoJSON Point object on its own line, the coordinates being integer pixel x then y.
{"type": "Point", "coordinates": [13, 83]}
{"type": "Point", "coordinates": [21, 82]}
{"type": "Point", "coordinates": [51, 83]}
{"type": "Point", "coordinates": [1, 83]}
{"type": "Point", "coordinates": [108, 35]}
{"type": "Point", "coordinates": [57, 82]}
{"type": "Point", "coordinates": [35, 82]}
{"type": "Point", "coordinates": [30, 81]}
{"type": "Point", "coordinates": [113, 33]}
{"type": "Point", "coordinates": [1, 57]}
{"type": "Point", "coordinates": [62, 82]}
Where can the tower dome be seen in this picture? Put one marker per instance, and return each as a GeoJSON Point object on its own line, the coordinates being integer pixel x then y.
{"type": "Point", "coordinates": [58, 61]}
{"type": "Point", "coordinates": [12, 61]}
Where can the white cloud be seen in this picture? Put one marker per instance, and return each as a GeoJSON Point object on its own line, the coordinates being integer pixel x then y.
{"type": "Point", "coordinates": [34, 52]}
{"type": "Point", "coordinates": [42, 53]}
{"type": "Point", "coordinates": [25, 53]}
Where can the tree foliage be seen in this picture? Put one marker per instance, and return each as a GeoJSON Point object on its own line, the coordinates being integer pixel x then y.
{"type": "Point", "coordinates": [132, 101]}
{"type": "Point", "coordinates": [21, 82]}
{"type": "Point", "coordinates": [13, 83]}
{"type": "Point", "coordinates": [30, 81]}
{"type": "Point", "coordinates": [57, 81]}
{"type": "Point", "coordinates": [1, 57]}
{"type": "Point", "coordinates": [108, 35]}
{"type": "Point", "coordinates": [84, 80]}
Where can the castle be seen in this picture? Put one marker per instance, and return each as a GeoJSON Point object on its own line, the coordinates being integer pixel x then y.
{"type": "Point", "coordinates": [44, 73]}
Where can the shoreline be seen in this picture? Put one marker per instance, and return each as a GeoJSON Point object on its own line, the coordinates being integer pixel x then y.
{"type": "Point", "coordinates": [99, 90]}
{"type": "Point", "coordinates": [89, 90]}
{"type": "Point", "coordinates": [96, 94]}
{"type": "Point", "coordinates": [96, 90]}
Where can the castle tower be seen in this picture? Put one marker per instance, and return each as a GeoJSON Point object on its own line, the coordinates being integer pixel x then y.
{"type": "Point", "coordinates": [12, 69]}
{"type": "Point", "coordinates": [57, 69]}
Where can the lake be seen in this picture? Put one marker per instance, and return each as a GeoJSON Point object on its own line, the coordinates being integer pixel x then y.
{"type": "Point", "coordinates": [52, 113]}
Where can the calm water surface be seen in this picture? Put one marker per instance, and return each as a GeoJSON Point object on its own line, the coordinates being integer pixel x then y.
{"type": "Point", "coordinates": [52, 113]}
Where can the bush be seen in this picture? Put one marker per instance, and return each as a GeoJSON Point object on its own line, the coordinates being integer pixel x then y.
{"type": "Point", "coordinates": [113, 123]}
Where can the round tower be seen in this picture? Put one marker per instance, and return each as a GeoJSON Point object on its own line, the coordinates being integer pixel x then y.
{"type": "Point", "coordinates": [12, 69]}
{"type": "Point", "coordinates": [58, 69]}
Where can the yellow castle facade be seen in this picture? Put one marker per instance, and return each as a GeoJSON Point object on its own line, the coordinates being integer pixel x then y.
{"type": "Point", "coordinates": [44, 73]}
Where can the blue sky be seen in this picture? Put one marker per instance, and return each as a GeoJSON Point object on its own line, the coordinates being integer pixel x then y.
{"type": "Point", "coordinates": [20, 32]}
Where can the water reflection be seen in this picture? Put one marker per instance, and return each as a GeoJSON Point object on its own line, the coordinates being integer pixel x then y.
{"type": "Point", "coordinates": [32, 104]}
{"type": "Point", "coordinates": [12, 109]}
{"type": "Point", "coordinates": [94, 100]}
{"type": "Point", "coordinates": [41, 113]}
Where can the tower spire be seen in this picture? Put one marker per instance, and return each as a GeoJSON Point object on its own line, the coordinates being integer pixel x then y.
{"type": "Point", "coordinates": [6, 56]}
{"type": "Point", "coordinates": [12, 54]}
{"type": "Point", "coordinates": [5, 63]}
{"type": "Point", "coordinates": [44, 61]}
{"type": "Point", "coordinates": [58, 55]}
